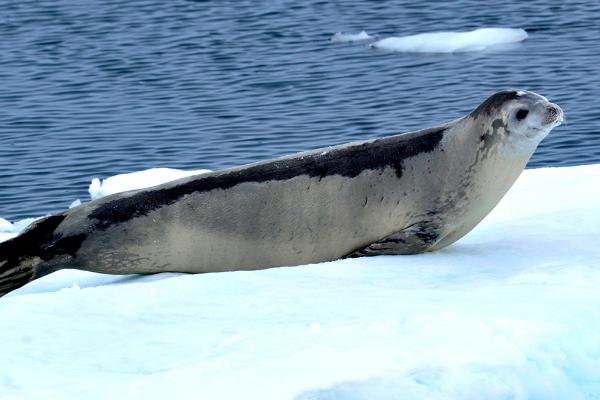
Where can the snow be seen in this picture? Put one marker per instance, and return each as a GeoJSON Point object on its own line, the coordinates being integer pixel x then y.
{"type": "Point", "coordinates": [451, 42]}
{"type": "Point", "coordinates": [340, 37]}
{"type": "Point", "coordinates": [510, 311]}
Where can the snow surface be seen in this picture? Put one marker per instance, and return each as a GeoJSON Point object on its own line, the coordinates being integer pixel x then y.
{"type": "Point", "coordinates": [511, 311]}
{"type": "Point", "coordinates": [340, 37]}
{"type": "Point", "coordinates": [451, 42]}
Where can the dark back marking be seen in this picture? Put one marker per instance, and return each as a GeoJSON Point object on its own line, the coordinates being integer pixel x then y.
{"type": "Point", "coordinates": [350, 161]}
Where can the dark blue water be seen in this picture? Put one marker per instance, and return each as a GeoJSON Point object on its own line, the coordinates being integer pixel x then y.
{"type": "Point", "coordinates": [96, 88]}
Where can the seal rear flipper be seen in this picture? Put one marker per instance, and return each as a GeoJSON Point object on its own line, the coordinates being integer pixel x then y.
{"type": "Point", "coordinates": [17, 267]}
{"type": "Point", "coordinates": [14, 275]}
{"type": "Point", "coordinates": [36, 252]}
{"type": "Point", "coordinates": [417, 238]}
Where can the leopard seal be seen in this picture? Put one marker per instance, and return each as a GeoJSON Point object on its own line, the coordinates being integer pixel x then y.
{"type": "Point", "coordinates": [403, 194]}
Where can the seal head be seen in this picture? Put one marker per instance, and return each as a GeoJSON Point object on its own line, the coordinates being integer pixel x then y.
{"type": "Point", "coordinates": [520, 120]}
{"type": "Point", "coordinates": [510, 125]}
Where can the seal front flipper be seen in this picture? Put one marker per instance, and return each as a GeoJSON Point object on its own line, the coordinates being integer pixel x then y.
{"type": "Point", "coordinates": [414, 239]}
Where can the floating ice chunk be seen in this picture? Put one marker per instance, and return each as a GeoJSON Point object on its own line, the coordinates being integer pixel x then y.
{"type": "Point", "coordinates": [450, 42]}
{"type": "Point", "coordinates": [137, 180]}
{"type": "Point", "coordinates": [350, 37]}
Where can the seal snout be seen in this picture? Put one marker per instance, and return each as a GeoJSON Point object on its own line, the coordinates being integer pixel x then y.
{"type": "Point", "coordinates": [554, 114]}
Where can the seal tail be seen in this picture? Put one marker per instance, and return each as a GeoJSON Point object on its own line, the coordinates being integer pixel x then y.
{"type": "Point", "coordinates": [23, 258]}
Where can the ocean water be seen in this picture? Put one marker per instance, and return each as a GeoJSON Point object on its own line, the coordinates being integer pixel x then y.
{"type": "Point", "coordinates": [97, 88]}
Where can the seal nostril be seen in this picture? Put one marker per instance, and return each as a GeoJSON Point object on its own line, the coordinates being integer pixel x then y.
{"type": "Point", "coordinates": [552, 110]}
{"type": "Point", "coordinates": [553, 113]}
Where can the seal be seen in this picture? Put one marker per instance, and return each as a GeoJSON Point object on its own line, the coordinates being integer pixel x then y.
{"type": "Point", "coordinates": [403, 194]}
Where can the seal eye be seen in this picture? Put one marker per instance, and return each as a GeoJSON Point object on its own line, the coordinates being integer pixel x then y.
{"type": "Point", "coordinates": [522, 114]}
